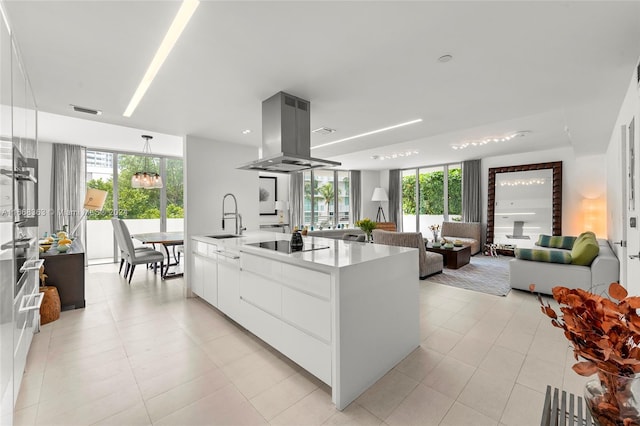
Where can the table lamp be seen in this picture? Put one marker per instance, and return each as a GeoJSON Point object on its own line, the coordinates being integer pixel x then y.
{"type": "Point", "coordinates": [281, 206]}
{"type": "Point", "coordinates": [93, 200]}
{"type": "Point", "coordinates": [379, 194]}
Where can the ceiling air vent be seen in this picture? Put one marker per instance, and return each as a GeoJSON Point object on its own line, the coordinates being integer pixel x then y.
{"type": "Point", "coordinates": [85, 110]}
{"type": "Point", "coordinates": [323, 131]}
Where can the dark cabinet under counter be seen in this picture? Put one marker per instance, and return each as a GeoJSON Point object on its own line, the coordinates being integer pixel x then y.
{"type": "Point", "coordinates": [66, 272]}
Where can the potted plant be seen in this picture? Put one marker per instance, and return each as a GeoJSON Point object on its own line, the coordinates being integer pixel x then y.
{"type": "Point", "coordinates": [367, 225]}
{"type": "Point", "coordinates": [605, 334]}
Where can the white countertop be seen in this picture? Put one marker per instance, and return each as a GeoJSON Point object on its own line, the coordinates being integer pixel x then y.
{"type": "Point", "coordinates": [340, 253]}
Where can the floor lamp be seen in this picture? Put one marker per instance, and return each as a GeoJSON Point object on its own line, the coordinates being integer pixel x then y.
{"type": "Point", "coordinates": [93, 200]}
{"type": "Point", "coordinates": [379, 194]}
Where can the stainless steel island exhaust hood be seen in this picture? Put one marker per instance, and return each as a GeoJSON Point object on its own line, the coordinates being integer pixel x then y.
{"type": "Point", "coordinates": [286, 137]}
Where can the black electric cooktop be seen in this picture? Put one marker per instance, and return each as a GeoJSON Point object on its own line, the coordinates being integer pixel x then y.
{"type": "Point", "coordinates": [284, 246]}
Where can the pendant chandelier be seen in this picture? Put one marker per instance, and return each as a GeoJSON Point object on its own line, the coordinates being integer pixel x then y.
{"type": "Point", "coordinates": [146, 179]}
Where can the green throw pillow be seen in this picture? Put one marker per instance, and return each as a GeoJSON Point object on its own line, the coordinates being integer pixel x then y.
{"type": "Point", "coordinates": [551, 256]}
{"type": "Point", "coordinates": [556, 241]}
{"type": "Point", "coordinates": [585, 249]}
{"type": "Point", "coordinates": [587, 234]}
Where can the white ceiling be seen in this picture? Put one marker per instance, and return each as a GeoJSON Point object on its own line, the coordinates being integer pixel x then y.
{"type": "Point", "coordinates": [559, 69]}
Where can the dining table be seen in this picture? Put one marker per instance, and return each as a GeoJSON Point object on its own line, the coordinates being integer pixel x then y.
{"type": "Point", "coordinates": [166, 239]}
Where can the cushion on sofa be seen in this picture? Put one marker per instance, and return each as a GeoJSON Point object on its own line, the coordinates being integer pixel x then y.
{"type": "Point", "coordinates": [586, 234]}
{"type": "Point", "coordinates": [556, 241]}
{"type": "Point", "coordinates": [550, 256]}
{"type": "Point", "coordinates": [584, 250]}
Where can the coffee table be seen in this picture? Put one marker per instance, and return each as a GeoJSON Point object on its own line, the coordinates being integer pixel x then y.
{"type": "Point", "coordinates": [453, 258]}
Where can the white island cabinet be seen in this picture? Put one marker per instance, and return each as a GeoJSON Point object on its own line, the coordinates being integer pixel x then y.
{"type": "Point", "coordinates": [347, 313]}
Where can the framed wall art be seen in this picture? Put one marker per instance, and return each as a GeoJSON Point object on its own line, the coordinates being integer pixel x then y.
{"type": "Point", "coordinates": [268, 194]}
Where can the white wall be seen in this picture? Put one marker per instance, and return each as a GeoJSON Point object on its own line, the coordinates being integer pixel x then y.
{"type": "Point", "coordinates": [95, 134]}
{"type": "Point", "coordinates": [210, 173]}
{"type": "Point", "coordinates": [370, 179]}
{"type": "Point", "coordinates": [582, 177]}
{"type": "Point", "coordinates": [283, 195]}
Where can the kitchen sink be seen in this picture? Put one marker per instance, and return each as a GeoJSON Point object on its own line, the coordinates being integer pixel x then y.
{"type": "Point", "coordinates": [224, 236]}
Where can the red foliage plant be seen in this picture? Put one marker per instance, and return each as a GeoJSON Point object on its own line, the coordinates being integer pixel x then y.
{"type": "Point", "coordinates": [604, 333]}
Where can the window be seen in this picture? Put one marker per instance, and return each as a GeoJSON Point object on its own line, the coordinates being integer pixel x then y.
{"type": "Point", "coordinates": [144, 210]}
{"type": "Point", "coordinates": [424, 192]}
{"type": "Point", "coordinates": [326, 198]}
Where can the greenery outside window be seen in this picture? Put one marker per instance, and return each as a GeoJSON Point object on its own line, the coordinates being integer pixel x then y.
{"type": "Point", "coordinates": [424, 192]}
{"type": "Point", "coordinates": [145, 210]}
{"type": "Point", "coordinates": [326, 198]}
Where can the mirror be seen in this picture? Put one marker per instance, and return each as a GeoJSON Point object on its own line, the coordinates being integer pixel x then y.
{"type": "Point", "coordinates": [524, 202]}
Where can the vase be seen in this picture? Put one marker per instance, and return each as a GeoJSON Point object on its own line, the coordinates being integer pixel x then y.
{"type": "Point", "coordinates": [369, 237]}
{"type": "Point", "coordinates": [613, 400]}
{"type": "Point", "coordinates": [435, 236]}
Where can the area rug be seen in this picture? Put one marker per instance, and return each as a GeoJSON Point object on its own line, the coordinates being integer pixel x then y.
{"type": "Point", "coordinates": [485, 274]}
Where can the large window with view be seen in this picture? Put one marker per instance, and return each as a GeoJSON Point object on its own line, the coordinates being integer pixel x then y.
{"type": "Point", "coordinates": [326, 198]}
{"type": "Point", "coordinates": [144, 210]}
{"type": "Point", "coordinates": [430, 196]}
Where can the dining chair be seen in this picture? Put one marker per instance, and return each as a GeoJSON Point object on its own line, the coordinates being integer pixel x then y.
{"type": "Point", "coordinates": [139, 257]}
{"type": "Point", "coordinates": [117, 231]}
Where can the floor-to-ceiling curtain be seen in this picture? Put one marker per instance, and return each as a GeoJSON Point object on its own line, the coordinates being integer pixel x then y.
{"type": "Point", "coordinates": [471, 174]}
{"type": "Point", "coordinates": [355, 196]}
{"type": "Point", "coordinates": [296, 199]}
{"type": "Point", "coordinates": [68, 187]}
{"type": "Point", "coordinates": [395, 198]}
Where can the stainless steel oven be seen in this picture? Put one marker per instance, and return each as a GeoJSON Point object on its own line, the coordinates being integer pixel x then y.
{"type": "Point", "coordinates": [19, 214]}
{"type": "Point", "coordinates": [24, 174]}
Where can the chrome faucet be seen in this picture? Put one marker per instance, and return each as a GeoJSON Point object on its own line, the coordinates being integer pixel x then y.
{"type": "Point", "coordinates": [237, 217]}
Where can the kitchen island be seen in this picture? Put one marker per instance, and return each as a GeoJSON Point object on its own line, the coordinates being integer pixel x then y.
{"type": "Point", "coordinates": [347, 312]}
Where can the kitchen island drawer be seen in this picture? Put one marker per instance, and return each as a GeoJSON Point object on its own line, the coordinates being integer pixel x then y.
{"type": "Point", "coordinates": [314, 282]}
{"type": "Point", "coordinates": [260, 265]}
{"type": "Point", "coordinates": [261, 292]}
{"type": "Point", "coordinates": [307, 312]}
{"type": "Point", "coordinates": [310, 353]}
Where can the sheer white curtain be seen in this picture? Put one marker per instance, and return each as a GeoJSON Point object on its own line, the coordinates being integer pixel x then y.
{"type": "Point", "coordinates": [68, 186]}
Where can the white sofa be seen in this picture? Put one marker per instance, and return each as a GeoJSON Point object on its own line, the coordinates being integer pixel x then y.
{"type": "Point", "coordinates": [604, 270]}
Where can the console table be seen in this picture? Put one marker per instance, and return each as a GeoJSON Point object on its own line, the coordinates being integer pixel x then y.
{"type": "Point", "coordinates": [65, 271]}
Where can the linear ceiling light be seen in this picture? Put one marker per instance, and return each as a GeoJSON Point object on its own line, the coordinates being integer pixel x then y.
{"type": "Point", "coordinates": [4, 18]}
{"type": "Point", "coordinates": [177, 26]}
{"type": "Point", "coordinates": [373, 132]}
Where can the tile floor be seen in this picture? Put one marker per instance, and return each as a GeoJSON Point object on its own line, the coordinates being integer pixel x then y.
{"type": "Point", "coordinates": [143, 354]}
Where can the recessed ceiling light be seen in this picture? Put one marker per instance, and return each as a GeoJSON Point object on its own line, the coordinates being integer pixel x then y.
{"type": "Point", "coordinates": [246, 131]}
{"type": "Point", "coordinates": [445, 58]}
{"type": "Point", "coordinates": [177, 26]}
{"type": "Point", "coordinates": [373, 132]}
